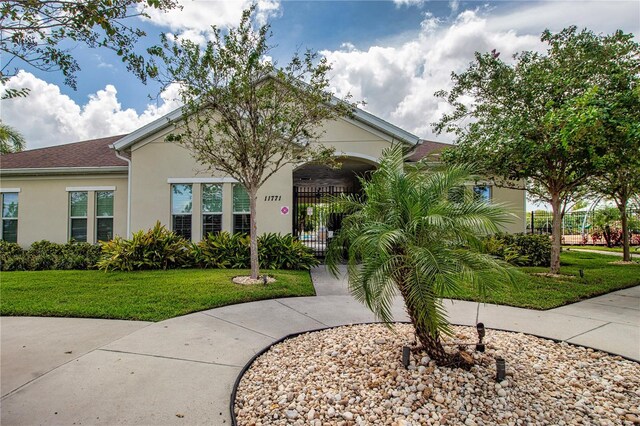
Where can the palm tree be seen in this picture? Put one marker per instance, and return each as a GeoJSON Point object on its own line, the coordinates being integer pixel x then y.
{"type": "Point", "coordinates": [10, 139]}
{"type": "Point", "coordinates": [417, 232]}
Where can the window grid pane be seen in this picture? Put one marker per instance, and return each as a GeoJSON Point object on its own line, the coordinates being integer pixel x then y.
{"type": "Point", "coordinates": [211, 224]}
{"type": "Point", "coordinates": [181, 199]}
{"type": "Point", "coordinates": [482, 192]}
{"type": "Point", "coordinates": [182, 225]}
{"type": "Point", "coordinates": [10, 230]}
{"type": "Point", "coordinates": [104, 204]}
{"type": "Point", "coordinates": [241, 223]}
{"type": "Point", "coordinates": [104, 229]}
{"type": "Point", "coordinates": [212, 198]}
{"type": "Point", "coordinates": [9, 205]}
{"type": "Point", "coordinates": [79, 230]}
{"type": "Point", "coordinates": [79, 201]}
{"type": "Point", "coordinates": [240, 199]}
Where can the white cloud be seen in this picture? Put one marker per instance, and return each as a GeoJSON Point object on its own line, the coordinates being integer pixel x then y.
{"type": "Point", "coordinates": [409, 2]}
{"type": "Point", "coordinates": [47, 117]}
{"type": "Point", "coordinates": [398, 81]}
{"type": "Point", "coordinates": [195, 19]}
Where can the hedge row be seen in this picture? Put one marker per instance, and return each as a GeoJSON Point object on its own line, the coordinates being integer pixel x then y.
{"type": "Point", "coordinates": [520, 249]}
{"type": "Point", "coordinates": [159, 248]}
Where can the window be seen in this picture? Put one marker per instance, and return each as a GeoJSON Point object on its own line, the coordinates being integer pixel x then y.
{"type": "Point", "coordinates": [181, 206]}
{"type": "Point", "coordinates": [78, 202]}
{"type": "Point", "coordinates": [241, 216]}
{"type": "Point", "coordinates": [104, 215]}
{"type": "Point", "coordinates": [10, 217]}
{"type": "Point", "coordinates": [482, 192]}
{"type": "Point", "coordinates": [211, 209]}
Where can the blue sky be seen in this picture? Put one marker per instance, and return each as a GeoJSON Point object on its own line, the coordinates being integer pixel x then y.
{"type": "Point", "coordinates": [392, 54]}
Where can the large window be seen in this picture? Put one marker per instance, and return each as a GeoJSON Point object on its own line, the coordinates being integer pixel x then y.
{"type": "Point", "coordinates": [181, 206]}
{"type": "Point", "coordinates": [241, 216]}
{"type": "Point", "coordinates": [10, 217]}
{"type": "Point", "coordinates": [482, 192]}
{"type": "Point", "coordinates": [211, 209]}
{"type": "Point", "coordinates": [104, 215]}
{"type": "Point", "coordinates": [78, 202]}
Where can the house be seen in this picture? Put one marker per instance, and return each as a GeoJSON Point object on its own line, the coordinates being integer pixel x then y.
{"type": "Point", "coordinates": [96, 189]}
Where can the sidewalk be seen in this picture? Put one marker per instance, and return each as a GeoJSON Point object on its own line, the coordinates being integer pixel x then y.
{"type": "Point", "coordinates": [181, 371]}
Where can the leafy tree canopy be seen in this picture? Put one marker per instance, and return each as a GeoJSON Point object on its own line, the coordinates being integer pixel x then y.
{"type": "Point", "coordinates": [33, 31]}
{"type": "Point", "coordinates": [243, 115]}
{"type": "Point", "coordinates": [540, 117]}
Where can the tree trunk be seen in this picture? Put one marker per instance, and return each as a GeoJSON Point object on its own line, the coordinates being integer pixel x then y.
{"type": "Point", "coordinates": [432, 345]}
{"type": "Point", "coordinates": [556, 233]}
{"type": "Point", "coordinates": [626, 255]}
{"type": "Point", "coordinates": [253, 233]}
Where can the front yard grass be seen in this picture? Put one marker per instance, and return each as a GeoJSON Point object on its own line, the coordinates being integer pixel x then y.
{"type": "Point", "coordinates": [539, 292]}
{"type": "Point", "coordinates": [142, 295]}
{"type": "Point", "coordinates": [632, 249]}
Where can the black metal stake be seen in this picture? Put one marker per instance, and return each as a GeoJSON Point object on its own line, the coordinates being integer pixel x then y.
{"type": "Point", "coordinates": [481, 333]}
{"type": "Point", "coordinates": [406, 353]}
{"type": "Point", "coordinates": [581, 273]}
{"type": "Point", "coordinates": [501, 369]}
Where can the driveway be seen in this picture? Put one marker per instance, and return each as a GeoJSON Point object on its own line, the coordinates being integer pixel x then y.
{"type": "Point", "coordinates": [181, 371]}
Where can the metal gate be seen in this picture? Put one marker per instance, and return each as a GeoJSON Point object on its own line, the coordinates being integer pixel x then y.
{"type": "Point", "coordinates": [315, 218]}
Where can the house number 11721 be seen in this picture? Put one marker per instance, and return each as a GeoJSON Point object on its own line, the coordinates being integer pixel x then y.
{"type": "Point", "coordinates": [272, 197]}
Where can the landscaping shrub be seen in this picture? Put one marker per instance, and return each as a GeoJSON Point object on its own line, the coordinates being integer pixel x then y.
{"type": "Point", "coordinates": [157, 248]}
{"type": "Point", "coordinates": [222, 250]}
{"type": "Point", "coordinates": [275, 251]}
{"type": "Point", "coordinates": [45, 255]}
{"type": "Point", "coordinates": [520, 249]}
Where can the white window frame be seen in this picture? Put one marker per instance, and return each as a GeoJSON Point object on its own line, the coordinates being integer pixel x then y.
{"type": "Point", "coordinates": [86, 217]}
{"type": "Point", "coordinates": [203, 213]}
{"type": "Point", "coordinates": [113, 202]}
{"type": "Point", "coordinates": [3, 192]}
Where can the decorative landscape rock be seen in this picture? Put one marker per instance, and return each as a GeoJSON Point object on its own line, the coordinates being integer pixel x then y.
{"type": "Point", "coordinates": [353, 376]}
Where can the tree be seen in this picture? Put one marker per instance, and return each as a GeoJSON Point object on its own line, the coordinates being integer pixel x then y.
{"type": "Point", "coordinates": [418, 232]}
{"type": "Point", "coordinates": [244, 116]}
{"type": "Point", "coordinates": [10, 139]}
{"type": "Point", "coordinates": [35, 32]}
{"type": "Point", "coordinates": [537, 119]}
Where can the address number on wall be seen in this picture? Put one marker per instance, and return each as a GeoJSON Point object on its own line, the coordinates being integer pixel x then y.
{"type": "Point", "coordinates": [273, 197]}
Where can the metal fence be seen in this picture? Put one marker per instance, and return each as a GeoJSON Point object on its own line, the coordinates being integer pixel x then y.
{"type": "Point", "coordinates": [585, 227]}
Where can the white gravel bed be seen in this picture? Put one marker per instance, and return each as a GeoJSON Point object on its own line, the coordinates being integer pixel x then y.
{"type": "Point", "coordinates": [353, 375]}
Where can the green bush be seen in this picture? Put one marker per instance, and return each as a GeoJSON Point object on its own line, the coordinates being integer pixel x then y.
{"type": "Point", "coordinates": [157, 248]}
{"type": "Point", "coordinates": [222, 250]}
{"type": "Point", "coordinates": [44, 255]}
{"type": "Point", "coordinates": [520, 249]}
{"type": "Point", "coordinates": [275, 251]}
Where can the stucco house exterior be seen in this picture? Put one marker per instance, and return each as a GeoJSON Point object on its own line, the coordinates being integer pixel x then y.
{"type": "Point", "coordinates": [96, 189]}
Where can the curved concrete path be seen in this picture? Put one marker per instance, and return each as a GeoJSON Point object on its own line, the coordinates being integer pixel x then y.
{"type": "Point", "coordinates": [181, 371]}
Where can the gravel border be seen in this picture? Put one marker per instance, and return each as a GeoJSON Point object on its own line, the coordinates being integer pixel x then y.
{"type": "Point", "coordinates": [247, 366]}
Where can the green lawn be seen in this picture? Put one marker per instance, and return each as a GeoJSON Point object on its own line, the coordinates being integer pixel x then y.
{"type": "Point", "coordinates": [143, 295]}
{"type": "Point", "coordinates": [530, 291]}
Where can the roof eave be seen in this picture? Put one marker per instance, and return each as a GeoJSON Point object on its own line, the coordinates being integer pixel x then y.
{"type": "Point", "coordinates": [38, 171]}
{"type": "Point", "coordinates": [148, 129]}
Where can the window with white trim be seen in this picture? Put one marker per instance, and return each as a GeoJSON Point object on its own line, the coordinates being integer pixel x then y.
{"type": "Point", "coordinates": [104, 215]}
{"type": "Point", "coordinates": [10, 217]}
{"type": "Point", "coordinates": [211, 209]}
{"type": "Point", "coordinates": [78, 203]}
{"type": "Point", "coordinates": [241, 210]}
{"type": "Point", "coordinates": [181, 208]}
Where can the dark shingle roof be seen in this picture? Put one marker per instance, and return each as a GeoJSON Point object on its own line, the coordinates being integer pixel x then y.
{"type": "Point", "coordinates": [91, 153]}
{"type": "Point", "coordinates": [425, 148]}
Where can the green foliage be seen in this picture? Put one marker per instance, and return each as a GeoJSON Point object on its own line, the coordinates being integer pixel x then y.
{"type": "Point", "coordinates": [275, 251]}
{"type": "Point", "coordinates": [10, 139]}
{"type": "Point", "coordinates": [419, 232]}
{"type": "Point", "coordinates": [222, 250]}
{"type": "Point", "coordinates": [520, 249]}
{"type": "Point", "coordinates": [45, 255]}
{"type": "Point", "coordinates": [243, 115]}
{"type": "Point", "coordinates": [157, 248]}
{"type": "Point", "coordinates": [547, 117]}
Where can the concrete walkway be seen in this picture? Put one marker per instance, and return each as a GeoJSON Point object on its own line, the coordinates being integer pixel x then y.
{"type": "Point", "coordinates": [633, 253]}
{"type": "Point", "coordinates": [181, 371]}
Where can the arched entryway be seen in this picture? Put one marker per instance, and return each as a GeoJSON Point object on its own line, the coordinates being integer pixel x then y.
{"type": "Point", "coordinates": [315, 220]}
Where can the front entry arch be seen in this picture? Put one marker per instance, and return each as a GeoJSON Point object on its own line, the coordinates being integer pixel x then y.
{"type": "Point", "coordinates": [315, 220]}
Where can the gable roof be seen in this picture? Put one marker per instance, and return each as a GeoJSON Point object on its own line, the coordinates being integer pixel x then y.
{"type": "Point", "coordinates": [86, 154]}
{"type": "Point", "coordinates": [175, 115]}
{"type": "Point", "coordinates": [425, 148]}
